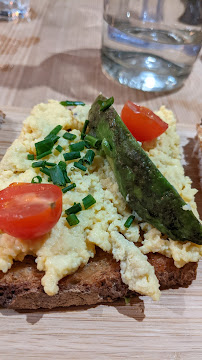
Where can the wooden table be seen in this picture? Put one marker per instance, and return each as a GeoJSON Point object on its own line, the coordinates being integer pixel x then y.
{"type": "Point", "coordinates": [56, 55]}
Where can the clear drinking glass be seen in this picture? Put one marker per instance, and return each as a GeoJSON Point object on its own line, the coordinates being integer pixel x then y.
{"type": "Point", "coordinates": [12, 10]}
{"type": "Point", "coordinates": [151, 45]}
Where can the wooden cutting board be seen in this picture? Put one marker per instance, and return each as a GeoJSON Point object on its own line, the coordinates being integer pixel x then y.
{"type": "Point", "coordinates": [170, 329]}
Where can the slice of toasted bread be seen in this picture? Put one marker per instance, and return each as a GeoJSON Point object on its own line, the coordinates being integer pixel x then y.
{"type": "Point", "coordinates": [97, 282]}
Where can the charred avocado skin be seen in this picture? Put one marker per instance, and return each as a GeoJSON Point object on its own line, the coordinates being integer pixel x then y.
{"type": "Point", "coordinates": [143, 186]}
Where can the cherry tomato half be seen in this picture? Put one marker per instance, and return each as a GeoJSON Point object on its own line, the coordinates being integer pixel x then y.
{"type": "Point", "coordinates": [143, 124]}
{"type": "Point", "coordinates": [28, 211]}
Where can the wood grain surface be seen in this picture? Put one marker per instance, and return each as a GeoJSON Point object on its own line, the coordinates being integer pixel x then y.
{"type": "Point", "coordinates": [56, 54]}
{"type": "Point", "coordinates": [170, 329]}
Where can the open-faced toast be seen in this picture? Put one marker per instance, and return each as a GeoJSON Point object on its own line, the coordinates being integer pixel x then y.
{"type": "Point", "coordinates": [98, 276]}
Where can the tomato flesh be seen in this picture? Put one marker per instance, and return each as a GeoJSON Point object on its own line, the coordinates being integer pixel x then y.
{"type": "Point", "coordinates": [143, 124]}
{"type": "Point", "coordinates": [28, 211]}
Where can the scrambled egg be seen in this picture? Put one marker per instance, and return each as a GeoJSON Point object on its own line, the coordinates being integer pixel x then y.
{"type": "Point", "coordinates": [65, 248]}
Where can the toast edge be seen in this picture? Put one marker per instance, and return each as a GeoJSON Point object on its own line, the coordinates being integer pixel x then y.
{"type": "Point", "coordinates": [97, 282]}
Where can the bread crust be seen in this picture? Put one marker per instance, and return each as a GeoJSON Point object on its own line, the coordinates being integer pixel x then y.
{"type": "Point", "coordinates": [97, 282]}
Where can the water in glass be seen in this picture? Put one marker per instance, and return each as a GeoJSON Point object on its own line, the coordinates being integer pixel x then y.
{"type": "Point", "coordinates": [143, 52]}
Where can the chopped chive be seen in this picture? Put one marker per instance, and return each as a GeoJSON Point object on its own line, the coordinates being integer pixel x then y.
{"type": "Point", "coordinates": [37, 180]}
{"type": "Point", "coordinates": [93, 141]}
{"type": "Point", "coordinates": [69, 136]}
{"type": "Point", "coordinates": [73, 209]}
{"type": "Point", "coordinates": [87, 145]}
{"type": "Point", "coordinates": [43, 146]}
{"type": "Point", "coordinates": [63, 167]}
{"type": "Point", "coordinates": [89, 157]}
{"type": "Point", "coordinates": [88, 201]}
{"type": "Point", "coordinates": [72, 219]}
{"type": "Point", "coordinates": [49, 163]}
{"type": "Point", "coordinates": [67, 179]}
{"type": "Point", "coordinates": [42, 163]}
{"type": "Point", "coordinates": [49, 179]}
{"type": "Point", "coordinates": [129, 221]}
{"type": "Point", "coordinates": [53, 137]}
{"type": "Point", "coordinates": [45, 170]}
{"type": "Point", "coordinates": [59, 148]}
{"type": "Point", "coordinates": [104, 105]}
{"type": "Point", "coordinates": [44, 154]}
{"type": "Point", "coordinates": [72, 103]}
{"type": "Point", "coordinates": [38, 164]}
{"type": "Point", "coordinates": [30, 156]}
{"type": "Point", "coordinates": [57, 176]}
{"type": "Point", "coordinates": [81, 161]}
{"type": "Point", "coordinates": [77, 147]}
{"type": "Point", "coordinates": [83, 132]}
{"type": "Point", "coordinates": [80, 166]}
{"type": "Point", "coordinates": [72, 155]}
{"type": "Point", "coordinates": [68, 188]}
{"type": "Point", "coordinates": [55, 131]}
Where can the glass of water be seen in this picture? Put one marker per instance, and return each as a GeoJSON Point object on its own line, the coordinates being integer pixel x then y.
{"type": "Point", "coordinates": [151, 45]}
{"type": "Point", "coordinates": [12, 10]}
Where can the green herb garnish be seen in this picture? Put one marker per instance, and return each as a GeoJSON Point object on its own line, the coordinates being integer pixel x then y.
{"type": "Point", "coordinates": [54, 138]}
{"type": "Point", "coordinates": [38, 164]}
{"type": "Point", "coordinates": [87, 145]}
{"type": "Point", "coordinates": [68, 188]}
{"type": "Point", "coordinates": [88, 201]}
{"type": "Point", "coordinates": [63, 167]}
{"type": "Point", "coordinates": [129, 221]}
{"type": "Point", "coordinates": [37, 179]}
{"type": "Point", "coordinates": [83, 132]}
{"type": "Point", "coordinates": [77, 147]}
{"type": "Point", "coordinates": [44, 154]}
{"type": "Point", "coordinates": [104, 105]}
{"type": "Point", "coordinates": [74, 209]}
{"type": "Point", "coordinates": [92, 141]}
{"type": "Point", "coordinates": [42, 163]}
{"type": "Point", "coordinates": [44, 146]}
{"type": "Point", "coordinates": [72, 219]}
{"type": "Point", "coordinates": [69, 136]}
{"type": "Point", "coordinates": [45, 170]}
{"type": "Point", "coordinates": [57, 176]}
{"type": "Point", "coordinates": [89, 157]}
{"type": "Point", "coordinates": [72, 155]}
{"type": "Point", "coordinates": [72, 103]}
{"type": "Point", "coordinates": [59, 148]}
{"type": "Point", "coordinates": [30, 156]}
{"type": "Point", "coordinates": [78, 165]}
{"type": "Point", "coordinates": [55, 131]}
{"type": "Point", "coordinates": [49, 163]}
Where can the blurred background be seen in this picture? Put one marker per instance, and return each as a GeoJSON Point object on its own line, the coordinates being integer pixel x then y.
{"type": "Point", "coordinates": [56, 54]}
